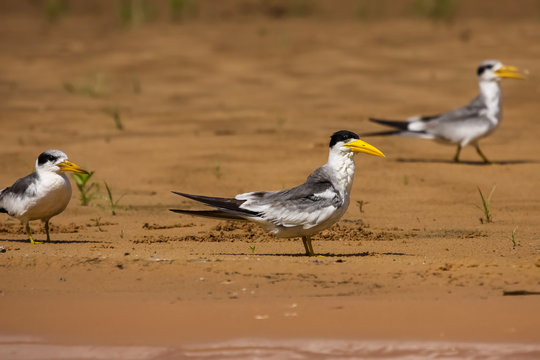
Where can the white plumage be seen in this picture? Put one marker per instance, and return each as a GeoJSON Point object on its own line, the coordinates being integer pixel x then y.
{"type": "Point", "coordinates": [301, 211]}
{"type": "Point", "coordinates": [466, 125]}
{"type": "Point", "coordinates": [42, 194]}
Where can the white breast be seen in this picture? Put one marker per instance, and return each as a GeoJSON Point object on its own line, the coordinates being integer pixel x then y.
{"type": "Point", "coordinates": [51, 196]}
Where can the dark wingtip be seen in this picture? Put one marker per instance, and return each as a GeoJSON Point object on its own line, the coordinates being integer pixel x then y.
{"type": "Point", "coordinates": [398, 124]}
{"type": "Point", "coordinates": [189, 196]}
{"type": "Point", "coordinates": [214, 214]}
{"type": "Point", "coordinates": [382, 133]}
{"type": "Point", "coordinates": [181, 211]}
{"type": "Point", "coordinates": [377, 120]}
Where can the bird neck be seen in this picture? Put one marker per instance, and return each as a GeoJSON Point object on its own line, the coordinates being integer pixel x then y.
{"type": "Point", "coordinates": [47, 174]}
{"type": "Point", "coordinates": [490, 91]}
{"type": "Point", "coordinates": [342, 162]}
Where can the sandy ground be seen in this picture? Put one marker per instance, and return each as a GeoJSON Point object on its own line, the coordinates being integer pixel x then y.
{"type": "Point", "coordinates": [229, 107]}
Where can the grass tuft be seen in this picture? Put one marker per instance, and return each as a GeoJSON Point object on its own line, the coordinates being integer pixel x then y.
{"type": "Point", "coordinates": [182, 9]}
{"type": "Point", "coordinates": [93, 86]}
{"type": "Point", "coordinates": [114, 113]}
{"type": "Point", "coordinates": [513, 237]}
{"type": "Point", "coordinates": [280, 123]}
{"type": "Point", "coordinates": [54, 9]}
{"type": "Point", "coordinates": [133, 13]}
{"type": "Point", "coordinates": [217, 170]}
{"type": "Point", "coordinates": [486, 203]}
{"type": "Point", "coordinates": [361, 204]}
{"type": "Point", "coordinates": [113, 205]}
{"type": "Point", "coordinates": [436, 10]}
{"type": "Point", "coordinates": [97, 222]}
{"type": "Point", "coordinates": [88, 191]}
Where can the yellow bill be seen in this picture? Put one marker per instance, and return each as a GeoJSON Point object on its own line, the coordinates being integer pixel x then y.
{"type": "Point", "coordinates": [507, 71]}
{"type": "Point", "coordinates": [362, 146]}
{"type": "Point", "coordinates": [69, 166]}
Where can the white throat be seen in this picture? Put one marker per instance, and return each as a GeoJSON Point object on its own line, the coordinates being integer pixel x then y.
{"type": "Point", "coordinates": [490, 91]}
{"type": "Point", "coordinates": [342, 162]}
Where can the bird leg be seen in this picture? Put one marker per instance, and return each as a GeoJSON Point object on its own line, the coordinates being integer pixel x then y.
{"type": "Point", "coordinates": [312, 253]}
{"type": "Point", "coordinates": [47, 230]}
{"type": "Point", "coordinates": [30, 234]}
{"type": "Point", "coordinates": [486, 161]}
{"type": "Point", "coordinates": [307, 245]}
{"type": "Point", "coordinates": [456, 157]}
{"type": "Point", "coordinates": [304, 241]}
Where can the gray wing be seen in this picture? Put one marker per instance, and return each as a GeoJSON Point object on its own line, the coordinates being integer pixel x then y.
{"type": "Point", "coordinates": [460, 125]}
{"type": "Point", "coordinates": [471, 110]}
{"type": "Point", "coordinates": [2, 210]}
{"type": "Point", "coordinates": [21, 187]}
{"type": "Point", "coordinates": [432, 126]}
{"type": "Point", "coordinates": [305, 205]}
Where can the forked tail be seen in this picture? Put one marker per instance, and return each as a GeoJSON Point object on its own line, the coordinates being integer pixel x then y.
{"type": "Point", "coordinates": [226, 208]}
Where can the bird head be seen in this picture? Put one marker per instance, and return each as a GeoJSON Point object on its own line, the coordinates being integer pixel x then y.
{"type": "Point", "coordinates": [493, 70]}
{"type": "Point", "coordinates": [56, 161]}
{"type": "Point", "coordinates": [348, 142]}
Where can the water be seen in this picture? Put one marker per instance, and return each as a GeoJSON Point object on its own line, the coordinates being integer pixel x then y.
{"type": "Point", "coordinates": [18, 348]}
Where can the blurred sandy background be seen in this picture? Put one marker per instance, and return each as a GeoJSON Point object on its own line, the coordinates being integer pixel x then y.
{"type": "Point", "coordinates": [221, 97]}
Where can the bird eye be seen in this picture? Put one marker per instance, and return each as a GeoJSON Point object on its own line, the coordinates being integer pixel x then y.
{"type": "Point", "coordinates": [483, 68]}
{"type": "Point", "coordinates": [45, 158]}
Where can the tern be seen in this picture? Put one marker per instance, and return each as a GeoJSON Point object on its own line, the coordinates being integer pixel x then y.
{"type": "Point", "coordinates": [465, 125]}
{"type": "Point", "coordinates": [301, 211]}
{"type": "Point", "coordinates": [42, 194]}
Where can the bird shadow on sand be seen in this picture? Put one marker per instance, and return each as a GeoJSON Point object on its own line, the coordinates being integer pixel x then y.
{"type": "Point", "coordinates": [45, 242]}
{"type": "Point", "coordinates": [461, 162]}
{"type": "Point", "coordinates": [320, 255]}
